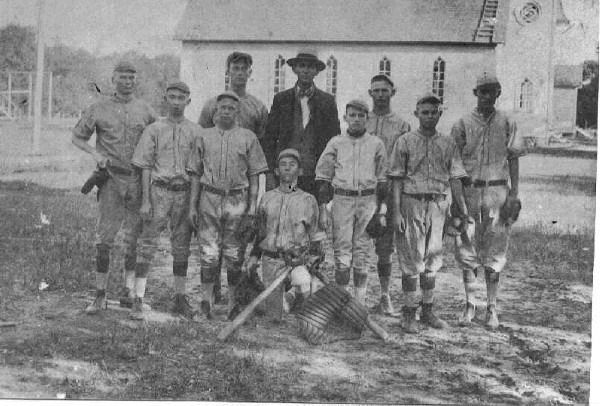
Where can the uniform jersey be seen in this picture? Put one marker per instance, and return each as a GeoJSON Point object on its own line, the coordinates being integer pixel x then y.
{"type": "Point", "coordinates": [165, 148]}
{"type": "Point", "coordinates": [388, 127]}
{"type": "Point", "coordinates": [118, 125]}
{"type": "Point", "coordinates": [288, 221]}
{"type": "Point", "coordinates": [353, 163]}
{"type": "Point", "coordinates": [226, 158]}
{"type": "Point", "coordinates": [486, 145]}
{"type": "Point", "coordinates": [252, 114]}
{"type": "Point", "coordinates": [426, 164]}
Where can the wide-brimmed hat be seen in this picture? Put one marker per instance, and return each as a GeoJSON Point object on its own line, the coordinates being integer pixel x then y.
{"type": "Point", "coordinates": [309, 57]}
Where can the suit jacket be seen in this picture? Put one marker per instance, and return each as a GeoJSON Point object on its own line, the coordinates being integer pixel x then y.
{"type": "Point", "coordinates": [280, 128]}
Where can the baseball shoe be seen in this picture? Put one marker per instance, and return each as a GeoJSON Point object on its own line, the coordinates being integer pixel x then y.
{"type": "Point", "coordinates": [430, 318]}
{"type": "Point", "coordinates": [126, 298]}
{"type": "Point", "coordinates": [98, 304]}
{"type": "Point", "coordinates": [137, 309]}
{"type": "Point", "coordinates": [491, 318]}
{"type": "Point", "coordinates": [205, 307]}
{"type": "Point", "coordinates": [183, 308]}
{"type": "Point", "coordinates": [468, 316]}
{"type": "Point", "coordinates": [385, 305]}
{"type": "Point", "coordinates": [409, 320]}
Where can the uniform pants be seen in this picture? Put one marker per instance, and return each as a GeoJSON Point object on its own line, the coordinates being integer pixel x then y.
{"type": "Point", "coordinates": [489, 245]}
{"type": "Point", "coordinates": [384, 245]}
{"type": "Point", "coordinates": [271, 269]}
{"type": "Point", "coordinates": [118, 206]}
{"type": "Point", "coordinates": [421, 246]}
{"type": "Point", "coordinates": [219, 217]}
{"type": "Point", "coordinates": [351, 244]}
{"type": "Point", "coordinates": [169, 208]}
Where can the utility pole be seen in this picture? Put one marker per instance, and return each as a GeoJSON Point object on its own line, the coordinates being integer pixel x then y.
{"type": "Point", "coordinates": [39, 79]}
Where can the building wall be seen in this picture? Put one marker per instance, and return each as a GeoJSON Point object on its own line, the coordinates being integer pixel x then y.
{"type": "Point", "coordinates": [203, 67]}
{"type": "Point", "coordinates": [565, 109]}
{"type": "Point", "coordinates": [527, 55]}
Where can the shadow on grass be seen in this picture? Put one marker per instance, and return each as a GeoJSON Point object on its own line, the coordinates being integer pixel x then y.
{"type": "Point", "coordinates": [564, 184]}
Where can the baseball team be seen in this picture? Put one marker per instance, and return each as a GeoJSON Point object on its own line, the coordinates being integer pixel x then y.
{"type": "Point", "coordinates": [413, 186]}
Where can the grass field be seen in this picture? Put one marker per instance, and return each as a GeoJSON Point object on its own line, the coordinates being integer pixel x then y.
{"type": "Point", "coordinates": [90, 358]}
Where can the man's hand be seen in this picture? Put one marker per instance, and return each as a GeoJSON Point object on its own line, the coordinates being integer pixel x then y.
{"type": "Point", "coordinates": [270, 181]}
{"type": "Point", "coordinates": [146, 211]}
{"type": "Point", "coordinates": [100, 159]}
{"type": "Point", "coordinates": [400, 224]}
{"type": "Point", "coordinates": [323, 218]}
{"type": "Point", "coordinates": [193, 218]}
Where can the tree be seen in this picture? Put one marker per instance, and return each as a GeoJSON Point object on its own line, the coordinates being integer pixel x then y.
{"type": "Point", "coordinates": [17, 48]}
{"type": "Point", "coordinates": [587, 96]}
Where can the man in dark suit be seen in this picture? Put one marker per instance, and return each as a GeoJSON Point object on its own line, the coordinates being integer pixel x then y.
{"type": "Point", "coordinates": [303, 118]}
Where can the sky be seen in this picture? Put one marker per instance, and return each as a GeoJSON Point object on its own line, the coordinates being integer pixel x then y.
{"type": "Point", "coordinates": [103, 26]}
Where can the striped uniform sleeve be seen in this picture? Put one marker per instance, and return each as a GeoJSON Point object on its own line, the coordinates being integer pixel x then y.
{"type": "Point", "coordinates": [143, 156]}
{"type": "Point", "coordinates": [398, 159]}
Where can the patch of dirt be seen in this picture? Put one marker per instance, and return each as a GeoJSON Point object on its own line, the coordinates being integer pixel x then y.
{"type": "Point", "coordinates": [541, 353]}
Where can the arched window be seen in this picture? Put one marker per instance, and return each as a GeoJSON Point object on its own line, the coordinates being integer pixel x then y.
{"type": "Point", "coordinates": [385, 66]}
{"type": "Point", "coordinates": [439, 78]}
{"type": "Point", "coordinates": [526, 96]}
{"type": "Point", "coordinates": [279, 75]}
{"type": "Point", "coordinates": [332, 75]}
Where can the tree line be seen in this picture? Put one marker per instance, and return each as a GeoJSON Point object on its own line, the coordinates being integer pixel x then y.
{"type": "Point", "coordinates": [79, 77]}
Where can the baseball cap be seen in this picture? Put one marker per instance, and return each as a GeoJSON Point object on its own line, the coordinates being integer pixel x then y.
{"type": "Point", "coordinates": [289, 152]}
{"type": "Point", "coordinates": [487, 78]}
{"type": "Point", "coordinates": [124, 66]}
{"type": "Point", "coordinates": [358, 104]}
{"type": "Point", "coordinates": [179, 85]}
{"type": "Point", "coordinates": [384, 78]}
{"type": "Point", "coordinates": [236, 56]}
{"type": "Point", "coordinates": [429, 97]}
{"type": "Point", "coordinates": [230, 94]}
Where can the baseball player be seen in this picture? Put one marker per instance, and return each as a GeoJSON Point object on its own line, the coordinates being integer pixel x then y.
{"type": "Point", "coordinates": [225, 165]}
{"type": "Point", "coordinates": [425, 169]}
{"type": "Point", "coordinates": [352, 168]}
{"type": "Point", "coordinates": [118, 122]}
{"type": "Point", "coordinates": [162, 154]}
{"type": "Point", "coordinates": [253, 116]}
{"type": "Point", "coordinates": [490, 148]}
{"type": "Point", "coordinates": [388, 126]}
{"type": "Point", "coordinates": [288, 232]}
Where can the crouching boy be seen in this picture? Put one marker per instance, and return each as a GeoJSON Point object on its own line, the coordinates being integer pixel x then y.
{"type": "Point", "coordinates": [288, 233]}
{"type": "Point", "coordinates": [425, 169]}
{"type": "Point", "coordinates": [352, 172]}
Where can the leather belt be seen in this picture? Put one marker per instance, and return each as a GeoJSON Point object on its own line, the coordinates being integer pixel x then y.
{"type": "Point", "coordinates": [427, 197]}
{"type": "Point", "coordinates": [486, 183]}
{"type": "Point", "coordinates": [115, 170]}
{"type": "Point", "coordinates": [274, 254]}
{"type": "Point", "coordinates": [354, 193]}
{"type": "Point", "coordinates": [221, 192]}
{"type": "Point", "coordinates": [172, 187]}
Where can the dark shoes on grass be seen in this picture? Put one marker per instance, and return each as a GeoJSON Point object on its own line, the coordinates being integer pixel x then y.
{"type": "Point", "coordinates": [98, 304]}
{"type": "Point", "coordinates": [183, 308]}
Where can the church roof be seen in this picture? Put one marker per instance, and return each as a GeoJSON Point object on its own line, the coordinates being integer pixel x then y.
{"type": "Point", "coordinates": [385, 21]}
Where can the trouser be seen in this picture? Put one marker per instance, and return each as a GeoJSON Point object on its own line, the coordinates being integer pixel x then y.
{"type": "Point", "coordinates": [489, 245]}
{"type": "Point", "coordinates": [118, 209]}
{"type": "Point", "coordinates": [351, 244]}
{"type": "Point", "coordinates": [271, 269]}
{"type": "Point", "coordinates": [169, 208]}
{"type": "Point", "coordinates": [420, 247]}
{"type": "Point", "coordinates": [384, 245]}
{"type": "Point", "coordinates": [219, 217]}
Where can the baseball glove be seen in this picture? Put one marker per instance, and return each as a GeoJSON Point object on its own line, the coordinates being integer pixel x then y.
{"type": "Point", "coordinates": [509, 212]}
{"type": "Point", "coordinates": [456, 223]}
{"type": "Point", "coordinates": [248, 287]}
{"type": "Point", "coordinates": [98, 178]}
{"type": "Point", "coordinates": [247, 229]}
{"type": "Point", "coordinates": [375, 229]}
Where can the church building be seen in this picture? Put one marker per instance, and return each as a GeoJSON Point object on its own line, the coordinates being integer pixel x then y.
{"type": "Point", "coordinates": [423, 45]}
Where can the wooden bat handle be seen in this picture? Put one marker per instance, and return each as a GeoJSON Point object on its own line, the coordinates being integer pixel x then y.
{"type": "Point", "coordinates": [241, 318]}
{"type": "Point", "coordinates": [377, 329]}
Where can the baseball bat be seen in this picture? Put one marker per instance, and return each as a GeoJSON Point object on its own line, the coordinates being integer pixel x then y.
{"type": "Point", "coordinates": [241, 318]}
